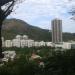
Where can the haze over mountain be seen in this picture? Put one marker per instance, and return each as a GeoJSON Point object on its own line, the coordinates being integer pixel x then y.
{"type": "Point", "coordinates": [13, 27]}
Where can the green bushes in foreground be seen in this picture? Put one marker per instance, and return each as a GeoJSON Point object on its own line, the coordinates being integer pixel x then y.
{"type": "Point", "coordinates": [56, 63]}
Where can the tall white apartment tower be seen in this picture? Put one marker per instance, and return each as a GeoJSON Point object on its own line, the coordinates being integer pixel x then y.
{"type": "Point", "coordinates": [56, 31]}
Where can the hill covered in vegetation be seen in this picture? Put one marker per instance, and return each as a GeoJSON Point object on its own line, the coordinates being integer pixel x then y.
{"type": "Point", "coordinates": [12, 27]}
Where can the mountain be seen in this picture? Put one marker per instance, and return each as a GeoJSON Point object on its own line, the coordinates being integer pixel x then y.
{"type": "Point", "coordinates": [12, 27]}
{"type": "Point", "coordinates": [68, 36]}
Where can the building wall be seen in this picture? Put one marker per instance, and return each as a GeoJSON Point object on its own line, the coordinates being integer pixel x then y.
{"type": "Point", "coordinates": [56, 31]}
{"type": "Point", "coordinates": [66, 45]}
{"type": "Point", "coordinates": [8, 43]}
{"type": "Point", "coordinates": [16, 43]}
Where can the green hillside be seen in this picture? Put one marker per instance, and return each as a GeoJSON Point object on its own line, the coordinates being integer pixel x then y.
{"type": "Point", "coordinates": [12, 27]}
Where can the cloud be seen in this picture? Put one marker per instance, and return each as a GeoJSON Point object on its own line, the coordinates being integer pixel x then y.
{"type": "Point", "coordinates": [68, 25]}
{"type": "Point", "coordinates": [41, 12]}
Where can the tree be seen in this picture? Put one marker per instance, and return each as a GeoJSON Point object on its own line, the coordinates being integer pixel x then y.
{"type": "Point", "coordinates": [72, 9]}
{"type": "Point", "coordinates": [6, 7]}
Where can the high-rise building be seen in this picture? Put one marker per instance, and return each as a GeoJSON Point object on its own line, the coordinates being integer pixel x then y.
{"type": "Point", "coordinates": [56, 31]}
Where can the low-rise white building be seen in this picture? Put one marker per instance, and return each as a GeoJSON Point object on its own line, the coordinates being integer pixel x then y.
{"type": "Point", "coordinates": [25, 37]}
{"type": "Point", "coordinates": [19, 37]}
{"type": "Point", "coordinates": [42, 43]}
{"type": "Point", "coordinates": [59, 45]}
{"type": "Point", "coordinates": [8, 43]}
{"type": "Point", "coordinates": [24, 43]}
{"type": "Point", "coordinates": [30, 43]}
{"type": "Point", "coordinates": [16, 43]}
{"type": "Point", "coordinates": [66, 45]}
{"type": "Point", "coordinates": [49, 44]}
{"type": "Point", "coordinates": [36, 44]}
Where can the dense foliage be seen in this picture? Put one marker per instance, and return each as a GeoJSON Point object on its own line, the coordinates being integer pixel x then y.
{"type": "Point", "coordinates": [56, 62]}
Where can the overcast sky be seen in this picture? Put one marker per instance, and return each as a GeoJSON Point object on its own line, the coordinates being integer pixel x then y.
{"type": "Point", "coordinates": [41, 12]}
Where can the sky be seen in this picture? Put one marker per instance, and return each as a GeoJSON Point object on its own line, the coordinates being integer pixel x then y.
{"type": "Point", "coordinates": [40, 13]}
